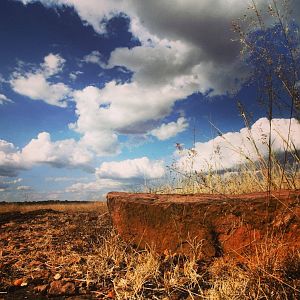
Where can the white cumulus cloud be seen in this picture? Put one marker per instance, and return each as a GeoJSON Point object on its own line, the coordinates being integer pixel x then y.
{"type": "Point", "coordinates": [11, 160]}
{"type": "Point", "coordinates": [120, 109]}
{"type": "Point", "coordinates": [235, 148]}
{"type": "Point", "coordinates": [118, 175]}
{"type": "Point", "coordinates": [131, 169]}
{"type": "Point", "coordinates": [93, 122]}
{"type": "Point", "coordinates": [35, 84]}
{"type": "Point", "coordinates": [64, 153]}
{"type": "Point", "coordinates": [53, 64]}
{"type": "Point", "coordinates": [166, 131]}
{"type": "Point", "coordinates": [94, 186]}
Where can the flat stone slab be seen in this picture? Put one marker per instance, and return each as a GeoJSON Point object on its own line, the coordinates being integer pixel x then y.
{"type": "Point", "coordinates": [205, 225]}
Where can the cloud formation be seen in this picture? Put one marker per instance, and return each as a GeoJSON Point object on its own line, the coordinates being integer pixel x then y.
{"type": "Point", "coordinates": [24, 188]}
{"type": "Point", "coordinates": [118, 108]}
{"type": "Point", "coordinates": [65, 153]}
{"type": "Point", "coordinates": [64, 179]}
{"type": "Point", "coordinates": [185, 47]}
{"type": "Point", "coordinates": [4, 99]}
{"type": "Point", "coordinates": [235, 148]}
{"type": "Point", "coordinates": [6, 185]}
{"type": "Point", "coordinates": [166, 131]}
{"type": "Point", "coordinates": [53, 64]}
{"type": "Point", "coordinates": [138, 168]}
{"type": "Point", "coordinates": [35, 83]}
{"type": "Point", "coordinates": [94, 121]}
{"type": "Point", "coordinates": [117, 176]}
{"type": "Point", "coordinates": [167, 67]}
{"type": "Point", "coordinates": [94, 186]}
{"type": "Point", "coordinates": [90, 11]}
{"type": "Point", "coordinates": [94, 57]}
{"type": "Point", "coordinates": [11, 160]}
{"type": "Point", "coordinates": [197, 33]}
{"type": "Point", "coordinates": [73, 75]}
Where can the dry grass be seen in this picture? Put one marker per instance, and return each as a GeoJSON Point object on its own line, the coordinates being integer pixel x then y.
{"type": "Point", "coordinates": [263, 174]}
{"type": "Point", "coordinates": [62, 207]}
{"type": "Point", "coordinates": [247, 179]}
{"type": "Point", "coordinates": [271, 273]}
{"type": "Point", "coordinates": [84, 249]}
{"type": "Point", "coordinates": [261, 275]}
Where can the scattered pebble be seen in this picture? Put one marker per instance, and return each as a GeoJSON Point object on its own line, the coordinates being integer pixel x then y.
{"type": "Point", "coordinates": [41, 288]}
{"type": "Point", "coordinates": [18, 282]}
{"type": "Point", "coordinates": [57, 276]}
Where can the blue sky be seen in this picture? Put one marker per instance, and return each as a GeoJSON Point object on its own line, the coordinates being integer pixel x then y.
{"type": "Point", "coordinates": [94, 94]}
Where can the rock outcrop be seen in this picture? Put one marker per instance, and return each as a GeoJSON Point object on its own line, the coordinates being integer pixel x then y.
{"type": "Point", "coordinates": [206, 225]}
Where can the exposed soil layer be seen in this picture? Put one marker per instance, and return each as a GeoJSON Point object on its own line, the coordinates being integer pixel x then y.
{"type": "Point", "coordinates": [206, 225]}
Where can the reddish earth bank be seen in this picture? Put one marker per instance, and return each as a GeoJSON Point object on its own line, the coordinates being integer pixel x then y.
{"type": "Point", "coordinates": [219, 224]}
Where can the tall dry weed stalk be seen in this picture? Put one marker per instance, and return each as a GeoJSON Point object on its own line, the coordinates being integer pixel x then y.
{"type": "Point", "coordinates": [273, 53]}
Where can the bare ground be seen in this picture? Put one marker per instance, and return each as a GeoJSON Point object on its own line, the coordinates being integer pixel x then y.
{"type": "Point", "coordinates": [37, 245]}
{"type": "Point", "coordinates": [71, 252]}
